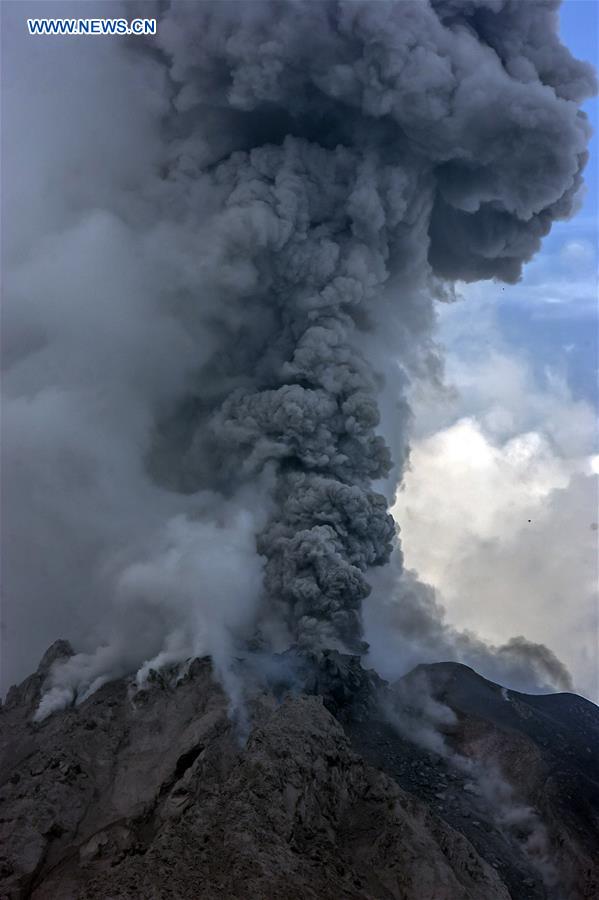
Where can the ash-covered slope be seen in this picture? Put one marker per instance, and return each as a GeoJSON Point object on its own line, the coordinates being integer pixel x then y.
{"type": "Point", "coordinates": [517, 774]}
{"type": "Point", "coordinates": [157, 793]}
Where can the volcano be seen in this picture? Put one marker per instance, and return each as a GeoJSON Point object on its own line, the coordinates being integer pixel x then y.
{"type": "Point", "coordinates": [330, 783]}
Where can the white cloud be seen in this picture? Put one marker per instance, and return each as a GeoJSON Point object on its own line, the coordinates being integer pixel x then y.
{"type": "Point", "coordinates": [499, 509]}
{"type": "Point", "coordinates": [578, 252]}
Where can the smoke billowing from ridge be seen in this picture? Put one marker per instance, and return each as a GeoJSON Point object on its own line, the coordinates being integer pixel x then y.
{"type": "Point", "coordinates": [249, 212]}
{"type": "Point", "coordinates": [416, 714]}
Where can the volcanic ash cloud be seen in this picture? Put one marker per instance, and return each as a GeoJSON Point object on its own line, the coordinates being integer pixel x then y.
{"type": "Point", "coordinates": [375, 146]}
{"type": "Point", "coordinates": [311, 174]}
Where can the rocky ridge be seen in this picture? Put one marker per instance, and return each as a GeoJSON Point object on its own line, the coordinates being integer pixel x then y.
{"type": "Point", "coordinates": [160, 793]}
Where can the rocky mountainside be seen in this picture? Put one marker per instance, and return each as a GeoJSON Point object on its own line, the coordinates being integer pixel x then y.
{"type": "Point", "coordinates": [331, 784]}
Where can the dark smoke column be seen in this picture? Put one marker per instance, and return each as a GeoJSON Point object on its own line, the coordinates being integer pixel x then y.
{"type": "Point", "coordinates": [355, 151]}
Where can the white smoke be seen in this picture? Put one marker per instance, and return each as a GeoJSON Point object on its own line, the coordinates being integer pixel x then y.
{"type": "Point", "coordinates": [417, 715]}
{"type": "Point", "coordinates": [99, 337]}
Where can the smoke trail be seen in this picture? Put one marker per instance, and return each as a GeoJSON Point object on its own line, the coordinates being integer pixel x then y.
{"type": "Point", "coordinates": [198, 329]}
{"type": "Point", "coordinates": [419, 716]}
{"type": "Point", "coordinates": [406, 625]}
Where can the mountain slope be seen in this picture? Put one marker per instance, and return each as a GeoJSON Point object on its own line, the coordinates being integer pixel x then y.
{"type": "Point", "coordinates": [157, 793]}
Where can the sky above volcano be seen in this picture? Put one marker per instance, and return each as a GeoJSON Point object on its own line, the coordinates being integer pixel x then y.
{"type": "Point", "coordinates": [499, 508]}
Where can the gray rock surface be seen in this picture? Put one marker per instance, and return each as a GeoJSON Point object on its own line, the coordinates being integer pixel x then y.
{"type": "Point", "coordinates": [157, 793]}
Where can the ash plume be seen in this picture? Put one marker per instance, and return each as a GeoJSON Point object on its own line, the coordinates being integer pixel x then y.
{"type": "Point", "coordinates": [379, 137]}
{"type": "Point", "coordinates": [297, 184]}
